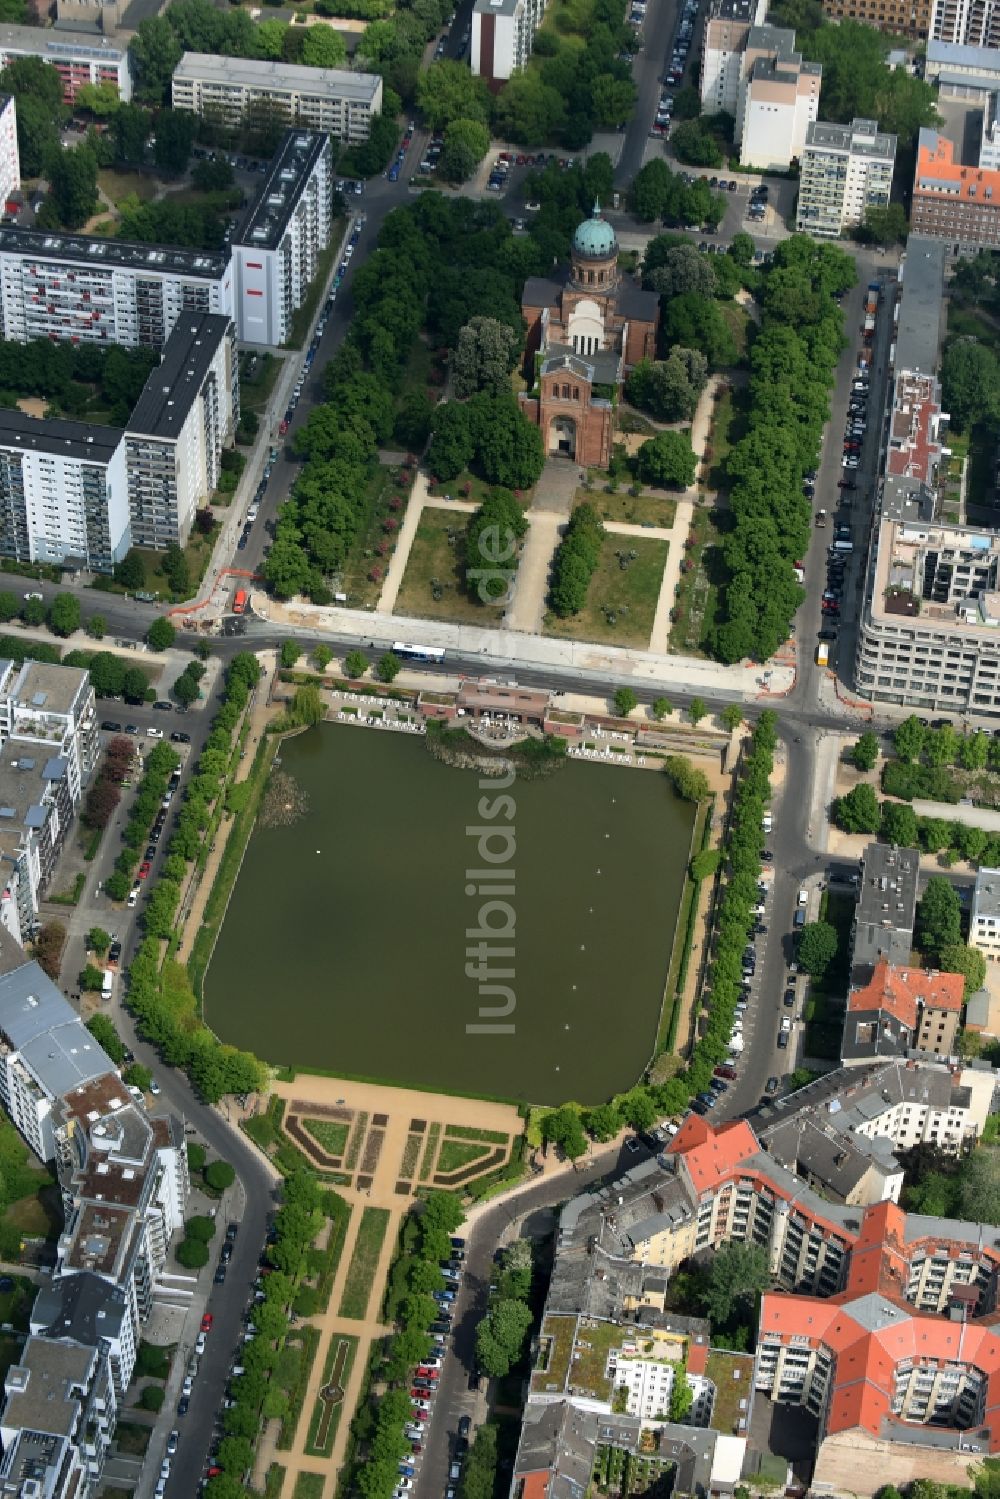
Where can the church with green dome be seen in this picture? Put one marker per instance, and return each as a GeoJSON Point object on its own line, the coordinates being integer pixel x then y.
{"type": "Point", "coordinates": [587, 327]}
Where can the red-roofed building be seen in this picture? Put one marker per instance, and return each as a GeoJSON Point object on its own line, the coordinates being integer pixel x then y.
{"type": "Point", "coordinates": [901, 1009]}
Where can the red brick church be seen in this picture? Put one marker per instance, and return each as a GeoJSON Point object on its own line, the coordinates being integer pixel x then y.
{"type": "Point", "coordinates": [589, 328]}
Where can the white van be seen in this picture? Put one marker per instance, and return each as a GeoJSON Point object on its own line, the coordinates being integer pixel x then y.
{"type": "Point", "coordinates": [803, 899]}
{"type": "Point", "coordinates": [107, 984]}
{"type": "Point", "coordinates": [767, 823]}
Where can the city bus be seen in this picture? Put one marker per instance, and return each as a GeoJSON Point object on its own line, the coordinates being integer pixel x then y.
{"type": "Point", "coordinates": [417, 652]}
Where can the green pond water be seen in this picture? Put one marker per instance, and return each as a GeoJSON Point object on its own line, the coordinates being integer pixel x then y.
{"type": "Point", "coordinates": [349, 932]}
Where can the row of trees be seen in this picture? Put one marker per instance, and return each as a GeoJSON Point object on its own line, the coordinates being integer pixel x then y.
{"type": "Point", "coordinates": [377, 1427]}
{"type": "Point", "coordinates": [104, 792]}
{"type": "Point", "coordinates": [569, 1126]}
{"type": "Point", "coordinates": [501, 1335]}
{"type": "Point", "coordinates": [791, 373]}
{"type": "Point", "coordinates": [491, 546]}
{"type": "Point", "coordinates": [575, 561]}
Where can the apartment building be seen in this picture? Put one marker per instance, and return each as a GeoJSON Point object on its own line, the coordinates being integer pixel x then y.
{"type": "Point", "coordinates": [51, 709]}
{"type": "Point", "coordinates": [909, 18]}
{"type": "Point", "coordinates": [844, 171]}
{"type": "Point", "coordinates": [10, 158]}
{"type": "Point", "coordinates": [503, 32]}
{"type": "Point", "coordinates": [231, 89]}
{"type": "Point", "coordinates": [57, 1421]}
{"type": "Point", "coordinates": [962, 70]}
{"type": "Point", "coordinates": [984, 921]}
{"type": "Point", "coordinates": [78, 57]}
{"type": "Point", "coordinates": [778, 99]}
{"type": "Point", "coordinates": [886, 909]}
{"type": "Point", "coordinates": [36, 815]}
{"type": "Point", "coordinates": [187, 413]}
{"type": "Point", "coordinates": [65, 286]}
{"type": "Point", "coordinates": [727, 28]}
{"type": "Point", "coordinates": [63, 492]}
{"type": "Point", "coordinates": [957, 204]}
{"type": "Point", "coordinates": [276, 251]}
{"type": "Point", "coordinates": [964, 23]}
{"type": "Point", "coordinates": [882, 1325]}
{"type": "Point", "coordinates": [902, 1009]}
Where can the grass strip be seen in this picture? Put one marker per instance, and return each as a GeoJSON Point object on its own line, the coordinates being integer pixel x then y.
{"type": "Point", "coordinates": [308, 1486]}
{"type": "Point", "coordinates": [364, 1262]}
{"type": "Point", "coordinates": [356, 1141]}
{"type": "Point", "coordinates": [488, 1136]}
{"type": "Point", "coordinates": [297, 1394]}
{"type": "Point", "coordinates": [433, 1136]}
{"type": "Point", "coordinates": [274, 1480]}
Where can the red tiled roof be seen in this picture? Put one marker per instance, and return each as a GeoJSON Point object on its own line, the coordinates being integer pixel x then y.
{"type": "Point", "coordinates": [710, 1155]}
{"type": "Point", "coordinates": [697, 1359]}
{"type": "Point", "coordinates": [536, 1485]}
{"type": "Point", "coordinates": [900, 991]}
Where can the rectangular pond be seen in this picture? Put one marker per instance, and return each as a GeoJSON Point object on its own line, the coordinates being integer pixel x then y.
{"type": "Point", "coordinates": [360, 933]}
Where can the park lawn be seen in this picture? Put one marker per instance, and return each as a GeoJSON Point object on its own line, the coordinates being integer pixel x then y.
{"type": "Point", "coordinates": [464, 486]}
{"type": "Point", "coordinates": [697, 598]}
{"type": "Point", "coordinates": [15, 1304]}
{"type": "Point", "coordinates": [198, 553]}
{"type": "Point", "coordinates": [132, 1438]}
{"type": "Point", "coordinates": [614, 589]}
{"type": "Point", "coordinates": [38, 1216]}
{"type": "Point", "coordinates": [728, 426]}
{"type": "Point", "coordinates": [118, 185]}
{"type": "Point", "coordinates": [738, 320]}
{"type": "Point", "coordinates": [353, 578]}
{"type": "Point", "coordinates": [10, 1352]}
{"type": "Point", "coordinates": [457, 1153]}
{"type": "Point", "coordinates": [331, 1134]}
{"type": "Point", "coordinates": [632, 510]}
{"type": "Point", "coordinates": [364, 1262]}
{"type": "Point", "coordinates": [309, 1486]}
{"type": "Point", "coordinates": [433, 559]}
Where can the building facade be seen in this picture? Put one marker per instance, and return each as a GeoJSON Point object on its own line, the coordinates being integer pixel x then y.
{"type": "Point", "coordinates": [78, 57]}
{"type": "Point", "coordinates": [957, 204]}
{"type": "Point", "coordinates": [845, 170]}
{"type": "Point", "coordinates": [965, 23]}
{"type": "Point", "coordinates": [63, 492]}
{"type": "Point", "coordinates": [502, 35]}
{"type": "Point", "coordinates": [277, 249]}
{"type": "Point", "coordinates": [727, 29]}
{"type": "Point", "coordinates": [10, 159]}
{"type": "Point", "coordinates": [779, 100]}
{"type": "Point", "coordinates": [909, 18]}
{"type": "Point", "coordinates": [187, 413]}
{"type": "Point", "coordinates": [588, 328]}
{"type": "Point", "coordinates": [984, 922]}
{"type": "Point", "coordinates": [233, 89]}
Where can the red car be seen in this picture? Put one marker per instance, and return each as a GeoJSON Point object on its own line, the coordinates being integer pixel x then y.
{"type": "Point", "coordinates": [213, 1471]}
{"type": "Point", "coordinates": [416, 1448]}
{"type": "Point", "coordinates": [419, 1393]}
{"type": "Point", "coordinates": [429, 1373]}
{"type": "Point", "coordinates": [144, 869]}
{"type": "Point", "coordinates": [419, 1415]}
{"type": "Point", "coordinates": [283, 426]}
{"type": "Point", "coordinates": [206, 1322]}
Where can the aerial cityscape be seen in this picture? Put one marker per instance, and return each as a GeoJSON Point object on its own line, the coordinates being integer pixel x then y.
{"type": "Point", "coordinates": [499, 749]}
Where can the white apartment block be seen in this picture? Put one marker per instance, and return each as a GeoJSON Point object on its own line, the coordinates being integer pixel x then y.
{"type": "Point", "coordinates": [503, 32]}
{"type": "Point", "coordinates": [187, 413]}
{"type": "Point", "coordinates": [779, 100]}
{"type": "Point", "coordinates": [727, 28]}
{"type": "Point", "coordinates": [78, 57]}
{"type": "Point", "coordinates": [57, 1422]}
{"type": "Point", "coordinates": [64, 286]}
{"type": "Point", "coordinates": [984, 923]}
{"type": "Point", "coordinates": [965, 23]}
{"type": "Point", "coordinates": [232, 89]}
{"type": "Point", "coordinates": [10, 158]}
{"type": "Point", "coordinates": [51, 710]}
{"type": "Point", "coordinates": [63, 492]}
{"type": "Point", "coordinates": [844, 171]}
{"type": "Point", "coordinates": [276, 253]}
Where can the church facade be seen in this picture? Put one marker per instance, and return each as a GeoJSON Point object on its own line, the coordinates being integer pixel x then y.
{"type": "Point", "coordinates": [586, 330]}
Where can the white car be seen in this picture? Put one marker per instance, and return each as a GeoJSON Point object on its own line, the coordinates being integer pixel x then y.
{"type": "Point", "coordinates": [188, 1386]}
{"type": "Point", "coordinates": [200, 1343]}
{"type": "Point", "coordinates": [786, 1023]}
{"type": "Point", "coordinates": [152, 733]}
{"type": "Point", "coordinates": [30, 596]}
{"type": "Point", "coordinates": [133, 897]}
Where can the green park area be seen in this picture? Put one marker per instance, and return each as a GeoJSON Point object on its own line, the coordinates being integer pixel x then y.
{"type": "Point", "coordinates": [631, 509]}
{"type": "Point", "coordinates": [30, 1204]}
{"type": "Point", "coordinates": [364, 1262]}
{"type": "Point", "coordinates": [434, 583]}
{"type": "Point", "coordinates": [622, 595]}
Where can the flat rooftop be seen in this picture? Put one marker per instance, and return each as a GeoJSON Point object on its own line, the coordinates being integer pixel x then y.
{"type": "Point", "coordinates": [60, 44]}
{"type": "Point", "coordinates": [921, 306]}
{"type": "Point", "coordinates": [57, 437]}
{"type": "Point", "coordinates": [39, 1388]}
{"type": "Point", "coordinates": [74, 249]}
{"type": "Point", "coordinates": [42, 687]}
{"type": "Point", "coordinates": [947, 56]}
{"type": "Point", "coordinates": [902, 545]}
{"type": "Point", "coordinates": [168, 394]}
{"type": "Point", "coordinates": [860, 138]}
{"type": "Point", "coordinates": [987, 897]}
{"type": "Point", "coordinates": [289, 172]}
{"type": "Point", "coordinates": [278, 77]}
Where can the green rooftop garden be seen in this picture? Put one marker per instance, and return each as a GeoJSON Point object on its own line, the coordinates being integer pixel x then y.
{"type": "Point", "coordinates": [732, 1375]}
{"type": "Point", "coordinates": [556, 1347]}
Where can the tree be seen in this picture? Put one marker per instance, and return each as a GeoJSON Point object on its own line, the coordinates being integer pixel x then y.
{"type": "Point", "coordinates": [201, 1226]}
{"type": "Point", "coordinates": [64, 614]}
{"type": "Point", "coordinates": [681, 1396]}
{"type": "Point", "coordinates": [452, 444]}
{"type": "Point", "coordinates": [130, 572]}
{"type": "Point", "coordinates": [192, 1254]}
{"type": "Point", "coordinates": [662, 706]}
{"type": "Point", "coordinates": [104, 1033]}
{"type": "Point", "coordinates": [97, 627]}
{"type": "Point", "coordinates": [970, 380]}
{"type": "Point", "coordinates": [185, 690]}
{"type": "Point", "coordinates": [161, 634]}
{"type": "Point", "coordinates": [739, 1272]}
{"type": "Point", "coordinates": [690, 784]}
{"type": "Point", "coordinates": [134, 684]}
{"type": "Point", "coordinates": [466, 142]}
{"type": "Point", "coordinates": [355, 664]}
{"type": "Point", "coordinates": [884, 224]}
{"type": "Point", "coordinates": [698, 323]}
{"type": "Point", "coordinates": [697, 709]}
{"type": "Point", "coordinates": [731, 717]}
{"type": "Point", "coordinates": [219, 1175]}
{"type": "Point", "coordinates": [154, 53]}
{"type": "Point", "coordinates": [322, 47]}
{"type": "Point", "coordinates": [34, 612]}
{"type": "Point", "coordinates": [389, 667]}
{"type": "Point", "coordinates": [683, 270]}
{"type": "Point", "coordinates": [576, 559]}
{"type": "Point", "coordinates": [939, 918]}
{"type": "Point", "coordinates": [817, 947]}
{"type": "Point", "coordinates": [91, 978]}
{"type": "Point", "coordinates": [72, 187]}
{"type": "Point", "coordinates": [693, 142]}
{"type": "Point", "coordinates": [175, 133]}
{"type": "Point", "coordinates": [602, 1122]}
{"type": "Point", "coordinates": [968, 961]}
{"type": "Point", "coordinates": [669, 389]}
{"type": "Point", "coordinates": [563, 1128]}
{"type": "Point", "coordinates": [322, 656]}
{"type": "Point", "coordinates": [858, 811]}
{"type": "Point", "coordinates": [290, 653]}
{"type": "Point", "coordinates": [705, 864]}
{"type": "Point", "coordinates": [484, 356]}
{"type": "Point", "coordinates": [152, 1397]}
{"type": "Point", "coordinates": [99, 940]}
{"type": "Point", "coordinates": [501, 1335]}
{"type": "Point", "coordinates": [129, 132]}
{"type": "Point", "coordinates": [625, 702]}
{"type": "Point", "coordinates": [899, 824]}
{"type": "Point", "coordinates": [48, 947]}
{"type": "Point", "coordinates": [667, 459]}
{"type": "Point", "coordinates": [866, 751]}
{"type": "Point", "coordinates": [508, 447]}
{"type": "Point", "coordinates": [637, 1108]}
{"type": "Point", "coordinates": [447, 91]}
{"type": "Point", "coordinates": [979, 1195]}
{"type": "Point", "coordinates": [138, 1076]}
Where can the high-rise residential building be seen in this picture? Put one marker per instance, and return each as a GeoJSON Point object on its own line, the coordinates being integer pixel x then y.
{"type": "Point", "coordinates": [233, 89]}
{"type": "Point", "coordinates": [78, 57]}
{"type": "Point", "coordinates": [36, 815]}
{"type": "Point", "coordinates": [909, 18]}
{"type": "Point", "coordinates": [10, 160]}
{"type": "Point", "coordinates": [727, 28]}
{"type": "Point", "coordinates": [51, 709]}
{"type": "Point", "coordinates": [84, 289]}
{"type": "Point", "coordinates": [63, 492]}
{"type": "Point", "coordinates": [276, 250]}
{"type": "Point", "coordinates": [957, 204]}
{"type": "Point", "coordinates": [778, 99]}
{"type": "Point", "coordinates": [503, 32]}
{"type": "Point", "coordinates": [187, 413]}
{"type": "Point", "coordinates": [844, 171]}
{"type": "Point", "coordinates": [966, 23]}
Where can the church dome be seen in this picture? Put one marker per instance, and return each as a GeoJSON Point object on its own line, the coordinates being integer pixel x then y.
{"type": "Point", "coordinates": [594, 238]}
